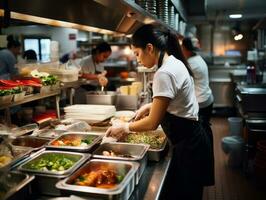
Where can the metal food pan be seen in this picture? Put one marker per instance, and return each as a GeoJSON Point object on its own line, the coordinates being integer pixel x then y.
{"type": "Point", "coordinates": [137, 151]}
{"type": "Point", "coordinates": [48, 133]}
{"type": "Point", "coordinates": [34, 143]}
{"type": "Point", "coordinates": [157, 154]}
{"type": "Point", "coordinates": [101, 98]}
{"type": "Point", "coordinates": [15, 185]}
{"type": "Point", "coordinates": [154, 154]}
{"type": "Point", "coordinates": [77, 158]}
{"type": "Point", "coordinates": [19, 153]}
{"type": "Point", "coordinates": [121, 191]}
{"type": "Point", "coordinates": [82, 135]}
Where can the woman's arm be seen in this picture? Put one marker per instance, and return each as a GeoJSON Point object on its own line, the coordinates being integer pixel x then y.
{"type": "Point", "coordinates": [90, 76]}
{"type": "Point", "coordinates": [152, 121]}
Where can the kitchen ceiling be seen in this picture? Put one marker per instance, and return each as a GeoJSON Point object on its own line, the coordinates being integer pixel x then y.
{"type": "Point", "coordinates": [202, 11]}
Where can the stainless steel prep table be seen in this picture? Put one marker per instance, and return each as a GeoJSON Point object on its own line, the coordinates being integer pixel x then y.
{"type": "Point", "coordinates": [151, 182]}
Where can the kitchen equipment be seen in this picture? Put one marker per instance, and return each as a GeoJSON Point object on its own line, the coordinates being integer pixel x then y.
{"type": "Point", "coordinates": [15, 185]}
{"type": "Point", "coordinates": [19, 131]}
{"type": "Point", "coordinates": [101, 98]}
{"type": "Point", "coordinates": [33, 143]}
{"type": "Point", "coordinates": [127, 102]}
{"type": "Point", "coordinates": [156, 139]}
{"type": "Point", "coordinates": [47, 168]}
{"type": "Point", "coordinates": [121, 190]}
{"type": "Point", "coordinates": [124, 151]}
{"type": "Point", "coordinates": [75, 141]}
{"type": "Point", "coordinates": [252, 98]}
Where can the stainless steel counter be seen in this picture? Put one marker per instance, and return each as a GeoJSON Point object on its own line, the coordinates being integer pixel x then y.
{"type": "Point", "coordinates": [150, 184]}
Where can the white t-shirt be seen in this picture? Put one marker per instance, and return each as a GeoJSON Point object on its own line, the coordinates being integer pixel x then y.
{"type": "Point", "coordinates": [201, 79]}
{"type": "Point", "coordinates": [89, 67]}
{"type": "Point", "coordinates": [172, 80]}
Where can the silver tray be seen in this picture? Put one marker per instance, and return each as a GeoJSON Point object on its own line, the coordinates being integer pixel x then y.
{"type": "Point", "coordinates": [33, 143]}
{"type": "Point", "coordinates": [79, 157]}
{"type": "Point", "coordinates": [137, 151]}
{"type": "Point", "coordinates": [20, 154]}
{"type": "Point", "coordinates": [48, 133]}
{"type": "Point", "coordinates": [155, 154]}
{"type": "Point", "coordinates": [15, 185]}
{"type": "Point", "coordinates": [121, 191]}
{"type": "Point", "coordinates": [83, 135]}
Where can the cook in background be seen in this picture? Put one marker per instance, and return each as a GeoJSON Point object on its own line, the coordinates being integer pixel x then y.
{"type": "Point", "coordinates": [174, 106]}
{"type": "Point", "coordinates": [8, 59]}
{"type": "Point", "coordinates": [92, 68]}
{"type": "Point", "coordinates": [30, 56]}
{"type": "Point", "coordinates": [201, 79]}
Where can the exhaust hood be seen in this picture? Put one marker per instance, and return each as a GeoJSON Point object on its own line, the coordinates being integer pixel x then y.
{"type": "Point", "coordinates": [105, 16]}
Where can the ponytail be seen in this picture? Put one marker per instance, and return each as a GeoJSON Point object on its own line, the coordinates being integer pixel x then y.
{"type": "Point", "coordinates": [174, 48]}
{"type": "Point", "coordinates": [162, 39]}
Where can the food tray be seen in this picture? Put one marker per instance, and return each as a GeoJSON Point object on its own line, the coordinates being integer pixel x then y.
{"type": "Point", "coordinates": [48, 133]}
{"type": "Point", "coordinates": [45, 181]}
{"type": "Point", "coordinates": [138, 152]}
{"type": "Point", "coordinates": [33, 143]}
{"type": "Point", "coordinates": [121, 190]}
{"type": "Point", "coordinates": [93, 136]}
{"type": "Point", "coordinates": [76, 158]}
{"type": "Point", "coordinates": [15, 185]}
{"type": "Point", "coordinates": [157, 149]}
{"type": "Point", "coordinates": [20, 154]}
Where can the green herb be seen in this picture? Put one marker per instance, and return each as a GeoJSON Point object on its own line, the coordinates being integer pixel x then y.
{"type": "Point", "coordinates": [49, 80]}
{"type": "Point", "coordinates": [119, 178]}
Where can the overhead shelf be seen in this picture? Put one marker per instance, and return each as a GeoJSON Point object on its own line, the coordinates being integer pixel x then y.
{"type": "Point", "coordinates": [108, 17]}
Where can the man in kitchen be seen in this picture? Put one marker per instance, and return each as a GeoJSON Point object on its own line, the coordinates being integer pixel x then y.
{"type": "Point", "coordinates": [8, 59]}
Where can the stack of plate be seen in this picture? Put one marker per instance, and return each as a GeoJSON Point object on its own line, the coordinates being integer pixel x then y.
{"type": "Point", "coordinates": [151, 7]}
{"type": "Point", "coordinates": [90, 113]}
{"type": "Point", "coordinates": [171, 16]}
{"type": "Point", "coordinates": [162, 9]}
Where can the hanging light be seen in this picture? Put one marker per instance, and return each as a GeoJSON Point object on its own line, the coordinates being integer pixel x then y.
{"type": "Point", "coordinates": [238, 36]}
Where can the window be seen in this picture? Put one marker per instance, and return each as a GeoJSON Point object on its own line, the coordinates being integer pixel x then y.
{"type": "Point", "coordinates": [40, 45]}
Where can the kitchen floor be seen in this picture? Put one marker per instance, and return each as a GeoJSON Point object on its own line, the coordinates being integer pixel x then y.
{"type": "Point", "coordinates": [231, 184]}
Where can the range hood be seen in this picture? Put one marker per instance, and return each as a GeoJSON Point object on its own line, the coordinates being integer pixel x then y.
{"type": "Point", "coordinates": [114, 16]}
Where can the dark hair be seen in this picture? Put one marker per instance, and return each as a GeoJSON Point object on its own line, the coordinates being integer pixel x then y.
{"type": "Point", "coordinates": [187, 43]}
{"type": "Point", "coordinates": [30, 55]}
{"type": "Point", "coordinates": [11, 42]}
{"type": "Point", "coordinates": [101, 47]}
{"type": "Point", "coordinates": [162, 39]}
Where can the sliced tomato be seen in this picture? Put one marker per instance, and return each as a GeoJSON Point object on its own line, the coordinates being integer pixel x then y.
{"type": "Point", "coordinates": [31, 83]}
{"type": "Point", "coordinates": [11, 83]}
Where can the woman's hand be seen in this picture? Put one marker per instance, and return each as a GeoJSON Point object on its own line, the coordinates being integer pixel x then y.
{"type": "Point", "coordinates": [143, 111]}
{"type": "Point", "coordinates": [119, 130]}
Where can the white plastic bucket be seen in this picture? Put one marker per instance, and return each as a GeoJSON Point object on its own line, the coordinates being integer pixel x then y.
{"type": "Point", "coordinates": [235, 126]}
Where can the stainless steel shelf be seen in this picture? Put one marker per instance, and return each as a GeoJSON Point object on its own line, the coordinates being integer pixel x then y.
{"type": "Point", "coordinates": [30, 98]}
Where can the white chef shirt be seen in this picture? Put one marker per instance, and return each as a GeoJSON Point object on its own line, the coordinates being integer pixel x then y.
{"type": "Point", "coordinates": [201, 79]}
{"type": "Point", "coordinates": [172, 80]}
{"type": "Point", "coordinates": [88, 66]}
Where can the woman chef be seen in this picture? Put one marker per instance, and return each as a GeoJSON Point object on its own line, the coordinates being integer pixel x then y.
{"type": "Point", "coordinates": [175, 107]}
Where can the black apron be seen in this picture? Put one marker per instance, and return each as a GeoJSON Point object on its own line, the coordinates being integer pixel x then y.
{"type": "Point", "coordinates": [192, 164]}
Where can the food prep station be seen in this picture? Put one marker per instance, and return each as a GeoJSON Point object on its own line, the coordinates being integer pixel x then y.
{"type": "Point", "coordinates": [73, 165]}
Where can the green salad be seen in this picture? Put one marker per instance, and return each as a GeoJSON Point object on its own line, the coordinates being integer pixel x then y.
{"type": "Point", "coordinates": [154, 140]}
{"type": "Point", "coordinates": [52, 162]}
